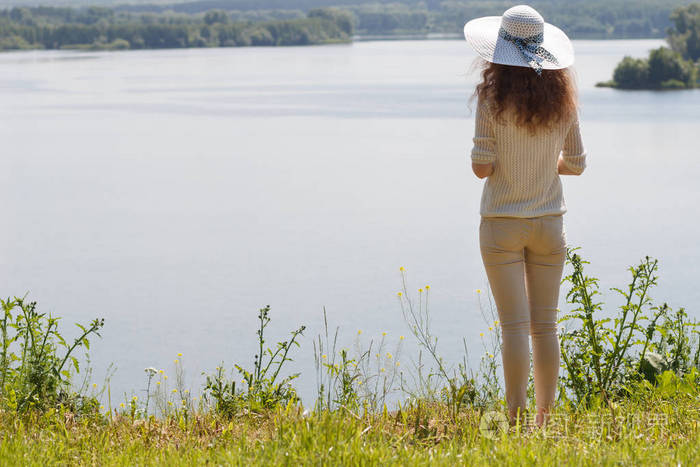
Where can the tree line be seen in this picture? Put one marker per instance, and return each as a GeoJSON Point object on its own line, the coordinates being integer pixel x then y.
{"type": "Point", "coordinates": [103, 28]}
{"type": "Point", "coordinates": [579, 18]}
{"type": "Point", "coordinates": [677, 67]}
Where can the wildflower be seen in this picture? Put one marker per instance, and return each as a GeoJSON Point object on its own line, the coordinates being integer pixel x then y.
{"type": "Point", "coordinates": [336, 366]}
{"type": "Point", "coordinates": [174, 391]}
{"type": "Point", "coordinates": [481, 334]}
{"type": "Point", "coordinates": [383, 334]}
{"type": "Point", "coordinates": [165, 376]}
{"type": "Point", "coordinates": [160, 371]}
{"type": "Point", "coordinates": [354, 364]}
{"type": "Point", "coordinates": [427, 287]}
{"type": "Point", "coordinates": [176, 361]}
{"type": "Point", "coordinates": [121, 405]}
{"type": "Point", "coordinates": [376, 355]}
{"type": "Point", "coordinates": [151, 371]}
{"type": "Point", "coordinates": [495, 323]}
{"type": "Point", "coordinates": [187, 391]}
{"type": "Point", "coordinates": [490, 355]}
{"type": "Point", "coordinates": [157, 383]}
{"type": "Point", "coordinates": [102, 407]}
{"type": "Point", "coordinates": [180, 354]}
{"type": "Point", "coordinates": [399, 294]}
{"type": "Point", "coordinates": [398, 363]}
{"type": "Point", "coordinates": [420, 290]}
{"type": "Point", "coordinates": [94, 385]}
{"type": "Point", "coordinates": [388, 355]}
{"type": "Point", "coordinates": [382, 370]}
{"type": "Point", "coordinates": [401, 338]}
{"type": "Point", "coordinates": [490, 328]}
{"type": "Point", "coordinates": [359, 381]}
{"type": "Point", "coordinates": [478, 290]}
{"type": "Point", "coordinates": [359, 331]}
{"type": "Point", "coordinates": [170, 403]}
{"type": "Point", "coordinates": [135, 398]}
{"type": "Point", "coordinates": [401, 269]}
{"type": "Point", "coordinates": [324, 356]}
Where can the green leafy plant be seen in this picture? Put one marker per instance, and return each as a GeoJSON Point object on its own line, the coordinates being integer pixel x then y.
{"type": "Point", "coordinates": [264, 388]}
{"type": "Point", "coordinates": [603, 355]}
{"type": "Point", "coordinates": [33, 373]}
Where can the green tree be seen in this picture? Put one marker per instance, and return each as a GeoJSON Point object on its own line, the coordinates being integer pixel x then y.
{"type": "Point", "coordinates": [215, 16]}
{"type": "Point", "coordinates": [684, 37]}
{"type": "Point", "coordinates": [665, 65]}
{"type": "Point", "coordinates": [632, 73]}
{"type": "Point", "coordinates": [344, 19]}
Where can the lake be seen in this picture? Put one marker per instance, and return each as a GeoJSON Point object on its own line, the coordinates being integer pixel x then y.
{"type": "Point", "coordinates": [176, 192]}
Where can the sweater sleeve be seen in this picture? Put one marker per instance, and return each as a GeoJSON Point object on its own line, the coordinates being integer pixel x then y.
{"type": "Point", "coordinates": [484, 150]}
{"type": "Point", "coordinates": [573, 153]}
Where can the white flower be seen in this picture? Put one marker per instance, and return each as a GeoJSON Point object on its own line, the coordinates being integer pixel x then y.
{"type": "Point", "coordinates": [150, 370]}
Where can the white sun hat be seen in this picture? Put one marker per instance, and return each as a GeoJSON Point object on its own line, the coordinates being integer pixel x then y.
{"type": "Point", "coordinates": [520, 38]}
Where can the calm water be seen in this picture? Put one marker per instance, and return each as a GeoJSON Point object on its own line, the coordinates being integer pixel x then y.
{"type": "Point", "coordinates": [176, 192]}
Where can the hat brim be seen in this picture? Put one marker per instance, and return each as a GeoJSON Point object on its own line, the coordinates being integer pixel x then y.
{"type": "Point", "coordinates": [482, 35]}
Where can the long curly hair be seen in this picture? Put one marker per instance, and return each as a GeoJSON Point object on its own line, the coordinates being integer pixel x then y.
{"type": "Point", "coordinates": [536, 101]}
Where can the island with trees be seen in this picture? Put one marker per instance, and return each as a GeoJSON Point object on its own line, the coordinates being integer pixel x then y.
{"type": "Point", "coordinates": [674, 67]}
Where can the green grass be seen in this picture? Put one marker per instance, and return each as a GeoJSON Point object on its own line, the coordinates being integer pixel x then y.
{"type": "Point", "coordinates": [649, 431]}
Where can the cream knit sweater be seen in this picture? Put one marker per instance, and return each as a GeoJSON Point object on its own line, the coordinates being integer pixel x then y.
{"type": "Point", "coordinates": [525, 181]}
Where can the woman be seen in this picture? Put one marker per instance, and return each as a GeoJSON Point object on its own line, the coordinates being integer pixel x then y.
{"type": "Point", "coordinates": [527, 134]}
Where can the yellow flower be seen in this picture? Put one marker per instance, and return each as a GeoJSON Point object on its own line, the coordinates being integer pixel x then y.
{"type": "Point", "coordinates": [398, 364]}
{"type": "Point", "coordinates": [174, 391]}
{"type": "Point", "coordinates": [121, 405]}
{"type": "Point", "coordinates": [495, 323]}
{"type": "Point", "coordinates": [165, 376]}
{"type": "Point", "coordinates": [359, 331]}
{"type": "Point", "coordinates": [135, 398]}
{"type": "Point", "coordinates": [478, 290]}
{"type": "Point", "coordinates": [324, 356]}
{"type": "Point", "coordinates": [401, 338]}
{"type": "Point", "coordinates": [176, 360]}
{"type": "Point", "coordinates": [481, 334]}
{"type": "Point", "coordinates": [94, 385]}
{"type": "Point", "coordinates": [420, 290]}
{"type": "Point", "coordinates": [158, 382]}
{"type": "Point", "coordinates": [388, 355]}
{"type": "Point", "coordinates": [187, 391]}
{"type": "Point", "coordinates": [490, 328]}
{"type": "Point", "coordinates": [170, 403]}
{"type": "Point", "coordinates": [384, 334]}
{"type": "Point", "coordinates": [161, 371]}
{"type": "Point", "coordinates": [401, 269]}
{"type": "Point", "coordinates": [382, 370]}
{"type": "Point", "coordinates": [427, 287]}
{"type": "Point", "coordinates": [490, 355]}
{"type": "Point", "coordinates": [180, 354]}
{"type": "Point", "coordinates": [399, 294]}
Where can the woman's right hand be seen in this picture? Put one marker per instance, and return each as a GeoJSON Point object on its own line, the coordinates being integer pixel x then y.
{"type": "Point", "coordinates": [482, 170]}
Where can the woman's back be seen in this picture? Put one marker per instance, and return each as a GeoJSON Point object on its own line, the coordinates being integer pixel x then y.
{"type": "Point", "coordinates": [525, 180]}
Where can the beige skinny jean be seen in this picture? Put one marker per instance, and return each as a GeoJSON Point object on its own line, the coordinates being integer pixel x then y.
{"type": "Point", "coordinates": [524, 259]}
